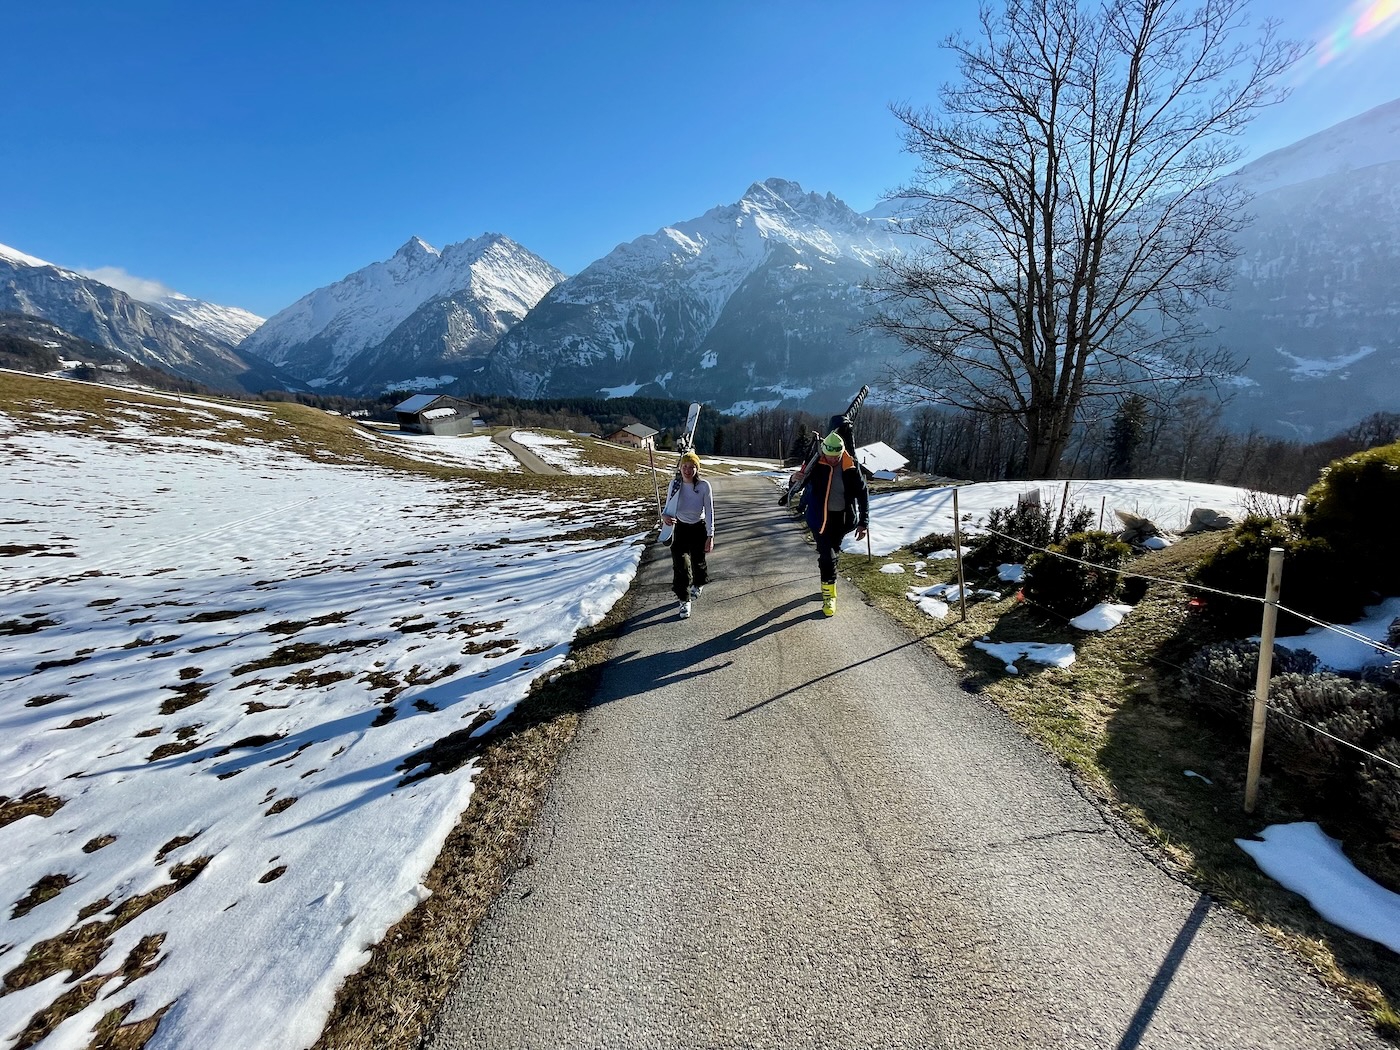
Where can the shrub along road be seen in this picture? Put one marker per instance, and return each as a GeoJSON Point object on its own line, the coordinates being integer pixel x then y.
{"type": "Point", "coordinates": [778, 829]}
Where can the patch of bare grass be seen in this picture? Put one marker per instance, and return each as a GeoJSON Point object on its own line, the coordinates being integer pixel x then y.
{"type": "Point", "coordinates": [32, 803]}
{"type": "Point", "coordinates": [306, 678]}
{"type": "Point", "coordinates": [26, 626]}
{"type": "Point", "coordinates": [78, 723]}
{"type": "Point", "coordinates": [303, 653]}
{"type": "Point", "coordinates": [171, 749]}
{"type": "Point", "coordinates": [46, 889]}
{"type": "Point", "coordinates": [15, 550]}
{"type": "Point", "coordinates": [419, 675]}
{"type": "Point", "coordinates": [290, 627]}
{"type": "Point", "coordinates": [255, 741]}
{"type": "Point", "coordinates": [413, 625]}
{"type": "Point", "coordinates": [110, 1032]}
{"type": "Point", "coordinates": [171, 846]}
{"type": "Point", "coordinates": [147, 641]}
{"type": "Point", "coordinates": [215, 615]}
{"type": "Point", "coordinates": [80, 948]}
{"type": "Point", "coordinates": [48, 665]}
{"type": "Point", "coordinates": [187, 694]}
{"type": "Point", "coordinates": [490, 647]}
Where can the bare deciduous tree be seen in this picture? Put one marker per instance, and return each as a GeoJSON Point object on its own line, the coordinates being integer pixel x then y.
{"type": "Point", "coordinates": [1070, 210]}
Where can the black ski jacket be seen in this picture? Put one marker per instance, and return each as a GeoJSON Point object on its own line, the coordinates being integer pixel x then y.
{"type": "Point", "coordinates": [817, 487]}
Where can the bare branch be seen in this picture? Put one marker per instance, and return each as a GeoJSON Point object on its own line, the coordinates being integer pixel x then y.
{"type": "Point", "coordinates": [1069, 197]}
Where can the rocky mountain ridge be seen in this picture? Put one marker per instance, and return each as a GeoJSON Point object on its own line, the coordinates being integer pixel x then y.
{"type": "Point", "coordinates": [420, 318]}
{"type": "Point", "coordinates": [760, 302]}
{"type": "Point", "coordinates": [109, 317]}
{"type": "Point", "coordinates": [756, 302]}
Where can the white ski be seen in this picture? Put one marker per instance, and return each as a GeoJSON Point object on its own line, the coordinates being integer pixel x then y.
{"type": "Point", "coordinates": [684, 444]}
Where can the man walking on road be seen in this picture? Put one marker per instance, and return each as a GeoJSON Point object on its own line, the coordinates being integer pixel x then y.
{"type": "Point", "coordinates": [836, 501]}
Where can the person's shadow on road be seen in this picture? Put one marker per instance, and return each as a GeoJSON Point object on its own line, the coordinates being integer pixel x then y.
{"type": "Point", "coordinates": [634, 673]}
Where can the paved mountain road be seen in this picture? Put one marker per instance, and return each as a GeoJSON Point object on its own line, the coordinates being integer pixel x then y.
{"type": "Point", "coordinates": [528, 460]}
{"type": "Point", "coordinates": [781, 830]}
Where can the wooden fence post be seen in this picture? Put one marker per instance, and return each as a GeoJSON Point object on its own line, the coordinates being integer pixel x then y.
{"type": "Point", "coordinates": [1060, 522]}
{"type": "Point", "coordinates": [1261, 680]}
{"type": "Point", "coordinates": [957, 548]}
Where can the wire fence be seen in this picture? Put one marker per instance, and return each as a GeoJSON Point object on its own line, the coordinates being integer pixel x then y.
{"type": "Point", "coordinates": [1343, 631]}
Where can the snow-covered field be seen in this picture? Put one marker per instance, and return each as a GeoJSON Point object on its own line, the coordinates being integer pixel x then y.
{"type": "Point", "coordinates": [900, 518]}
{"type": "Point", "coordinates": [224, 659]}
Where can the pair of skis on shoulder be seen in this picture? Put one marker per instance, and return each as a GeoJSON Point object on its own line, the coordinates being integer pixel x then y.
{"type": "Point", "coordinates": [684, 444]}
{"type": "Point", "coordinates": [845, 425]}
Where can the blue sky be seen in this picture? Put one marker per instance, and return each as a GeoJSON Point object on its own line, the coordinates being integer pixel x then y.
{"type": "Point", "coordinates": [249, 153]}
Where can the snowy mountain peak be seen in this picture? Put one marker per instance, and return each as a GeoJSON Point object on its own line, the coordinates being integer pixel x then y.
{"type": "Point", "coordinates": [415, 250]}
{"type": "Point", "coordinates": [786, 197]}
{"type": "Point", "coordinates": [228, 323]}
{"type": "Point", "coordinates": [19, 258]}
{"type": "Point", "coordinates": [782, 191]}
{"type": "Point", "coordinates": [755, 296]}
{"type": "Point", "coordinates": [422, 310]}
{"type": "Point", "coordinates": [1370, 138]}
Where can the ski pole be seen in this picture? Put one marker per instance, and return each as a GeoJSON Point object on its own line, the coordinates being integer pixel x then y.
{"type": "Point", "coordinates": [654, 483]}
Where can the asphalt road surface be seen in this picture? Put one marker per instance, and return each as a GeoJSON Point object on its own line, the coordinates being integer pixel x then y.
{"type": "Point", "coordinates": [781, 830]}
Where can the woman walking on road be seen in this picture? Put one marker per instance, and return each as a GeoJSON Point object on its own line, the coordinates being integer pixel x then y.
{"type": "Point", "coordinates": [836, 500]}
{"type": "Point", "coordinates": [694, 536]}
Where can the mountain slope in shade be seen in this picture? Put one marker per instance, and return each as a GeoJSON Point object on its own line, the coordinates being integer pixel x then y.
{"type": "Point", "coordinates": [422, 314]}
{"type": "Point", "coordinates": [753, 302]}
{"type": "Point", "coordinates": [109, 317]}
{"type": "Point", "coordinates": [1316, 302]}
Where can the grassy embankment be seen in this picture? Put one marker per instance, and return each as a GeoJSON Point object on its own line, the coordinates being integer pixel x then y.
{"type": "Point", "coordinates": [1119, 720]}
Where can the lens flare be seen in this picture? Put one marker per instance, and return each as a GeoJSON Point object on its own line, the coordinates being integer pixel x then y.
{"type": "Point", "coordinates": [1363, 24]}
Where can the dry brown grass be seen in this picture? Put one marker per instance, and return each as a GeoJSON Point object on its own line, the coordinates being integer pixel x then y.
{"type": "Point", "coordinates": [31, 803]}
{"type": "Point", "coordinates": [46, 889]}
{"type": "Point", "coordinates": [80, 949]}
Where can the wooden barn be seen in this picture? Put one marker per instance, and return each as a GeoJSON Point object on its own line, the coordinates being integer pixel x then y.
{"type": "Point", "coordinates": [439, 414]}
{"type": "Point", "coordinates": [636, 435]}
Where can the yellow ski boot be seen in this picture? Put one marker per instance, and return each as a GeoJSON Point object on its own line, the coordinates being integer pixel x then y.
{"type": "Point", "coordinates": [829, 599]}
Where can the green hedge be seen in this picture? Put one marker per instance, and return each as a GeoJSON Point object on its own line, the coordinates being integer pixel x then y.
{"type": "Point", "coordinates": [1071, 587]}
{"type": "Point", "coordinates": [1314, 581]}
{"type": "Point", "coordinates": [1355, 507]}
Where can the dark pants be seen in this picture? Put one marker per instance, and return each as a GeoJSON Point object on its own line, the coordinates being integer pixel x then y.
{"type": "Point", "coordinates": [688, 542]}
{"type": "Point", "coordinates": [829, 545]}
